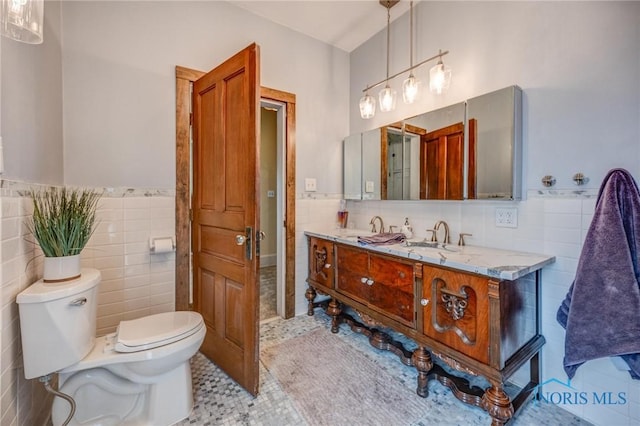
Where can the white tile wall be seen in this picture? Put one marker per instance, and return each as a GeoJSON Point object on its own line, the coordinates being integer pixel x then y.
{"type": "Point", "coordinates": [134, 282]}
{"type": "Point", "coordinates": [22, 402]}
{"type": "Point", "coordinates": [546, 224]}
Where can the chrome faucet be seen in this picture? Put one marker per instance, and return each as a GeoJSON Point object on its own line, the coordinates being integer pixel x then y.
{"type": "Point", "coordinates": [436, 227]}
{"type": "Point", "coordinates": [373, 224]}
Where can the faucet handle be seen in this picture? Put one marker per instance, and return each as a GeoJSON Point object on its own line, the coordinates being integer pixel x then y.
{"type": "Point", "coordinates": [434, 235]}
{"type": "Point", "coordinates": [391, 228]}
{"type": "Point", "coordinates": [461, 239]}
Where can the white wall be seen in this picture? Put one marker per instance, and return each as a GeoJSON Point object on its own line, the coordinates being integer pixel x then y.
{"type": "Point", "coordinates": [32, 105]}
{"type": "Point", "coordinates": [578, 64]}
{"type": "Point", "coordinates": [119, 79]}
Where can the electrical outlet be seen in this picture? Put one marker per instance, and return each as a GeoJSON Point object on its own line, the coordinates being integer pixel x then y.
{"type": "Point", "coordinates": [506, 217]}
{"type": "Point", "coordinates": [310, 184]}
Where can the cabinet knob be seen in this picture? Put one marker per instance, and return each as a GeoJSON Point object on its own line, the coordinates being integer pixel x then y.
{"type": "Point", "coordinates": [363, 280]}
{"type": "Point", "coordinates": [369, 282]}
{"type": "Point", "coordinates": [327, 265]}
{"type": "Point", "coordinates": [424, 302]}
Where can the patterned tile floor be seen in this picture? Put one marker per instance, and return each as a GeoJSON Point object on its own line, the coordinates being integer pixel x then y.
{"type": "Point", "coordinates": [220, 401]}
{"type": "Point", "coordinates": [267, 292]}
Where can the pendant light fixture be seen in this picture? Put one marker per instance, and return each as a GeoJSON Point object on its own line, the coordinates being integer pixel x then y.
{"type": "Point", "coordinates": [411, 86]}
{"type": "Point", "coordinates": [21, 20]}
{"type": "Point", "coordinates": [439, 76]}
{"type": "Point", "coordinates": [387, 95]}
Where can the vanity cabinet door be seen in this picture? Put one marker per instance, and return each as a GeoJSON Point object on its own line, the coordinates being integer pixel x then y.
{"type": "Point", "coordinates": [392, 289]}
{"type": "Point", "coordinates": [456, 311]}
{"type": "Point", "coordinates": [321, 268]}
{"type": "Point", "coordinates": [353, 273]}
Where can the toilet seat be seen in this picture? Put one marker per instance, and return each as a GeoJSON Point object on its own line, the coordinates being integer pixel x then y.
{"type": "Point", "coordinates": [155, 330]}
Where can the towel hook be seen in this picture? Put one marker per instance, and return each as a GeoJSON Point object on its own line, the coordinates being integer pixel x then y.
{"type": "Point", "coordinates": [580, 179]}
{"type": "Point", "coordinates": [548, 181]}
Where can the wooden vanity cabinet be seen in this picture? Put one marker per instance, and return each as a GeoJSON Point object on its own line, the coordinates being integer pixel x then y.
{"type": "Point", "coordinates": [475, 324]}
{"type": "Point", "coordinates": [455, 309]}
{"type": "Point", "coordinates": [321, 267]}
{"type": "Point", "coordinates": [484, 318]}
{"type": "Point", "coordinates": [382, 283]}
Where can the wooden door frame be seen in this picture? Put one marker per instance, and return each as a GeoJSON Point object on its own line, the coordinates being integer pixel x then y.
{"type": "Point", "coordinates": [184, 79]}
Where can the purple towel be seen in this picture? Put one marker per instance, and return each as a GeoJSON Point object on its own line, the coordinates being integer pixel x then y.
{"type": "Point", "coordinates": [601, 312]}
{"type": "Point", "coordinates": [382, 239]}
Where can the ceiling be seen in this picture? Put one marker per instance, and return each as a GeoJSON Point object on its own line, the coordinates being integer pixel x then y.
{"type": "Point", "coordinates": [344, 24]}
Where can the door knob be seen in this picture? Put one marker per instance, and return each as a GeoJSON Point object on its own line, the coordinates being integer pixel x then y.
{"type": "Point", "coordinates": [240, 239]}
{"type": "Point", "coordinates": [369, 282]}
{"type": "Point", "coordinates": [424, 302]}
{"type": "Point", "coordinates": [363, 280]}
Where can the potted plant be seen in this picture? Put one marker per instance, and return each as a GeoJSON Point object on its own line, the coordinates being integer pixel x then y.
{"type": "Point", "coordinates": [63, 221]}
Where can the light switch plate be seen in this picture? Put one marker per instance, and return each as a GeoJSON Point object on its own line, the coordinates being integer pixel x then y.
{"type": "Point", "coordinates": [506, 217]}
{"type": "Point", "coordinates": [310, 184]}
{"type": "Point", "coordinates": [368, 186]}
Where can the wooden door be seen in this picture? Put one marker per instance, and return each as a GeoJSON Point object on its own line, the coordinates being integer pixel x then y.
{"type": "Point", "coordinates": [442, 163]}
{"type": "Point", "coordinates": [226, 103]}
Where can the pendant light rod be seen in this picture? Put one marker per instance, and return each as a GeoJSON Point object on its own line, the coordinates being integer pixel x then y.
{"type": "Point", "coordinates": [439, 55]}
{"type": "Point", "coordinates": [388, 35]}
{"type": "Point", "coordinates": [410, 36]}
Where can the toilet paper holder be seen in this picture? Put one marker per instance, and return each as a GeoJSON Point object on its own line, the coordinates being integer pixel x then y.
{"type": "Point", "coordinates": [162, 244]}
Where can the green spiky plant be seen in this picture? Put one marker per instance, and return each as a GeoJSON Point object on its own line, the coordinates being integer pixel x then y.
{"type": "Point", "coordinates": [63, 219]}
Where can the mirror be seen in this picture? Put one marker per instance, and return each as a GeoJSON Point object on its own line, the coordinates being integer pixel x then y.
{"type": "Point", "coordinates": [440, 155]}
{"type": "Point", "coordinates": [494, 132]}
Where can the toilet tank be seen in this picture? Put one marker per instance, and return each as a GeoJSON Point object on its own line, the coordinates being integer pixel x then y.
{"type": "Point", "coordinates": [57, 323]}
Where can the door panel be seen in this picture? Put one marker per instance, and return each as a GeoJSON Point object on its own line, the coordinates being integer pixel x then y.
{"type": "Point", "coordinates": [225, 204]}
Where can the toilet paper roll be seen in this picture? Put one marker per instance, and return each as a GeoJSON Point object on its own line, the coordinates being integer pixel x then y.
{"type": "Point", "coordinates": [162, 245]}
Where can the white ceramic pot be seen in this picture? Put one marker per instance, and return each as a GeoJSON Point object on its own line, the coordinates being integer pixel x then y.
{"type": "Point", "coordinates": [60, 269]}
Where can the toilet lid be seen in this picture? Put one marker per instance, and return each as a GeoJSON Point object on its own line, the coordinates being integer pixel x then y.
{"type": "Point", "coordinates": [156, 330]}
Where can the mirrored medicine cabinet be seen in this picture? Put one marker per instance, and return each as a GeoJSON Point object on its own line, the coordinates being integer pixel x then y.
{"type": "Point", "coordinates": [469, 150]}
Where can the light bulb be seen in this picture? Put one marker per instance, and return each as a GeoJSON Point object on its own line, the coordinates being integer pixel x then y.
{"type": "Point", "coordinates": [387, 99]}
{"type": "Point", "coordinates": [410, 89]}
{"type": "Point", "coordinates": [439, 78]}
{"type": "Point", "coordinates": [367, 106]}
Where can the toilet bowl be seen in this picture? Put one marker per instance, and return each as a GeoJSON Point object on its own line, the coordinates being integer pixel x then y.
{"type": "Point", "coordinates": [139, 375]}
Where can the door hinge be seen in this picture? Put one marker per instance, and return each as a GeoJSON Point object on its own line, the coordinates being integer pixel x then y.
{"type": "Point", "coordinates": [190, 215]}
{"type": "Point", "coordinates": [190, 119]}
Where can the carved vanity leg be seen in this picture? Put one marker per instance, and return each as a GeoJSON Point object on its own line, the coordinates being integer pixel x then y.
{"type": "Point", "coordinates": [310, 295]}
{"type": "Point", "coordinates": [422, 361]}
{"type": "Point", "coordinates": [334, 309]}
{"type": "Point", "coordinates": [497, 403]}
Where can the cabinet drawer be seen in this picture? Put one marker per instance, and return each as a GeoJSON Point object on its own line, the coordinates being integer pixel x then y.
{"type": "Point", "coordinates": [457, 311]}
{"type": "Point", "coordinates": [321, 268]}
{"type": "Point", "coordinates": [353, 266]}
{"type": "Point", "coordinates": [392, 291]}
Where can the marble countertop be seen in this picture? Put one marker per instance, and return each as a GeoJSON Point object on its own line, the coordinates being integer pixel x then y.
{"type": "Point", "coordinates": [495, 263]}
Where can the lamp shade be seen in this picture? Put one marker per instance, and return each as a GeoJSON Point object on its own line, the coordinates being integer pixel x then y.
{"type": "Point", "coordinates": [410, 89]}
{"type": "Point", "coordinates": [367, 106]}
{"type": "Point", "coordinates": [439, 78]}
{"type": "Point", "coordinates": [21, 20]}
{"type": "Point", "coordinates": [387, 99]}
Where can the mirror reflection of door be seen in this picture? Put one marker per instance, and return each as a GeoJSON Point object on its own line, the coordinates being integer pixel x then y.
{"type": "Point", "coordinates": [442, 163]}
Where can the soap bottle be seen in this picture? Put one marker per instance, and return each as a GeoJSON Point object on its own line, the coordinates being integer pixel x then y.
{"type": "Point", "coordinates": [406, 229]}
{"type": "Point", "coordinates": [343, 214]}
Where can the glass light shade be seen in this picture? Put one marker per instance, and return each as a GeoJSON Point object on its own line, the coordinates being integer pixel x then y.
{"type": "Point", "coordinates": [387, 99]}
{"type": "Point", "coordinates": [410, 89]}
{"type": "Point", "coordinates": [439, 78]}
{"type": "Point", "coordinates": [21, 20]}
{"type": "Point", "coordinates": [367, 106]}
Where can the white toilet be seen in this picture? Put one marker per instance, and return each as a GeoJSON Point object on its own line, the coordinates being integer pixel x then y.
{"type": "Point", "coordinates": [139, 375]}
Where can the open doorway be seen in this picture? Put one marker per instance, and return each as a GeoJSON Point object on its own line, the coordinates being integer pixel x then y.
{"type": "Point", "coordinates": [271, 176]}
